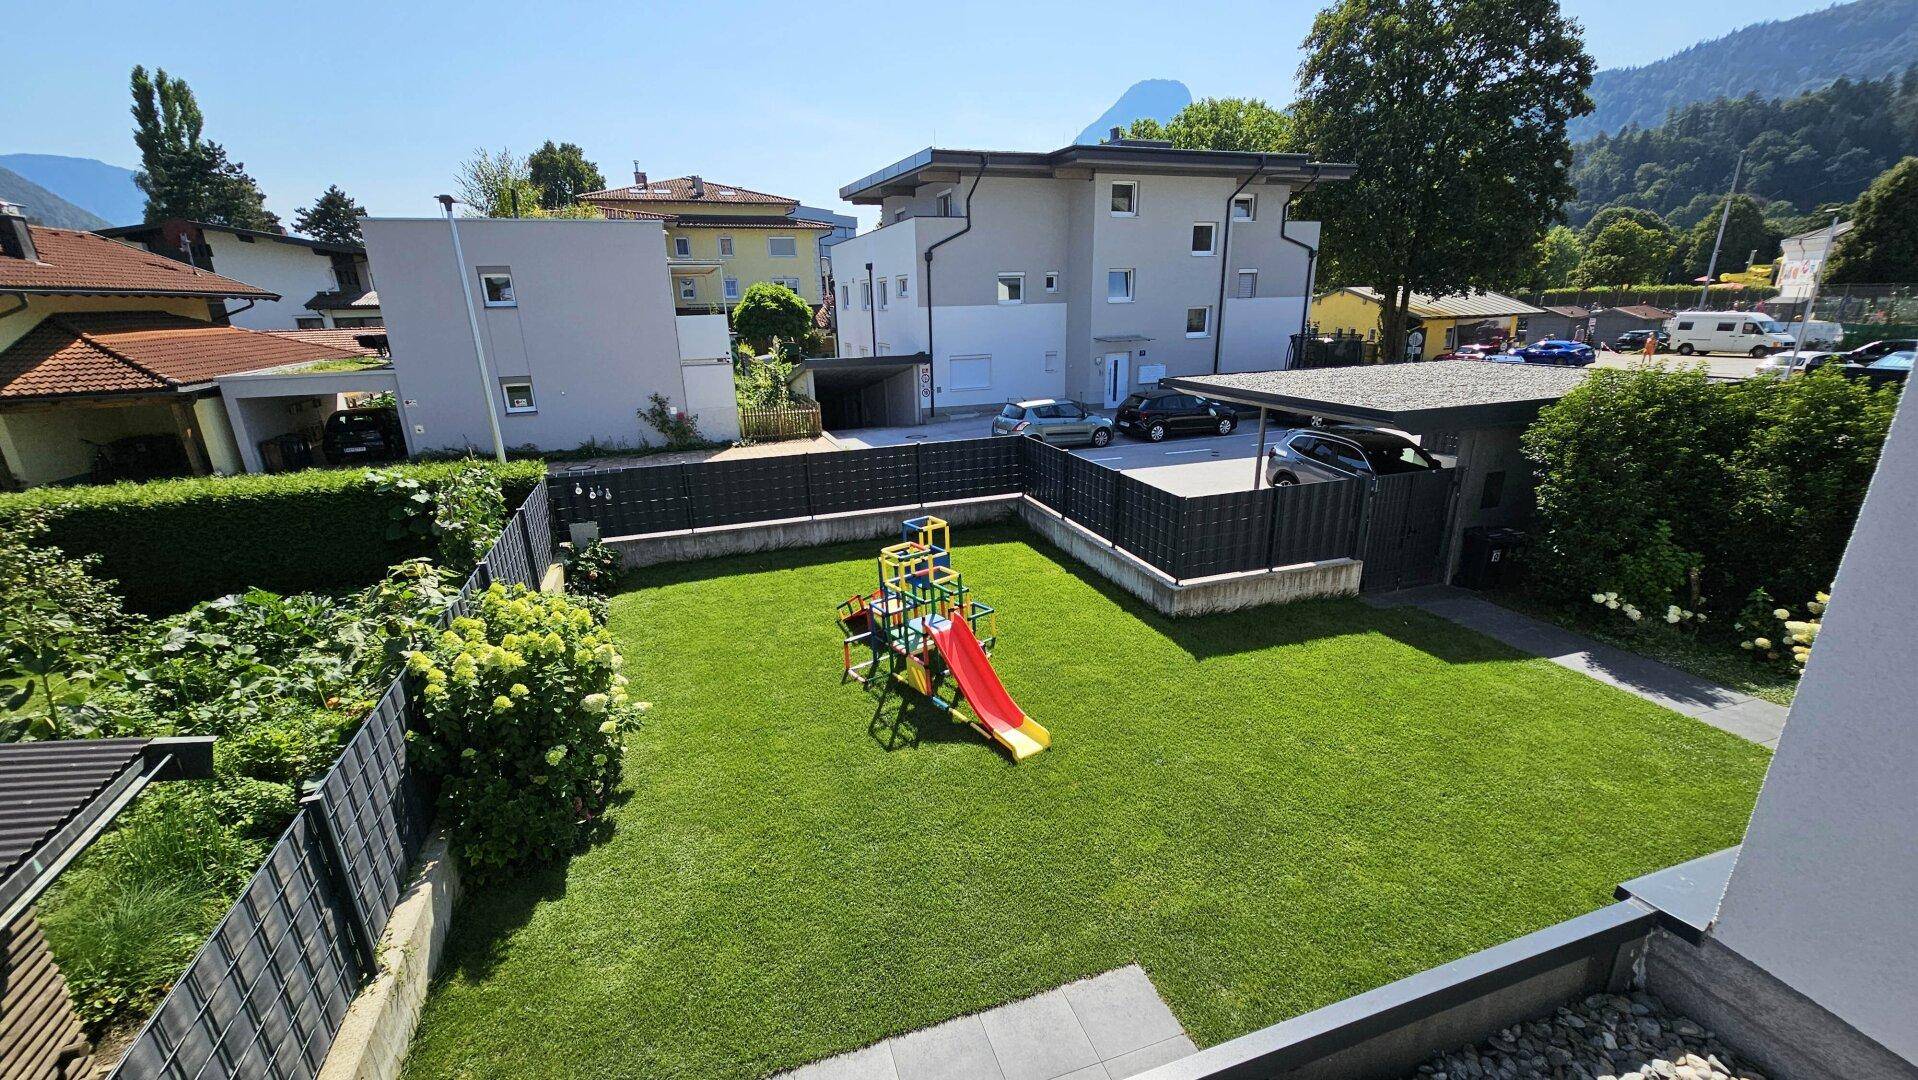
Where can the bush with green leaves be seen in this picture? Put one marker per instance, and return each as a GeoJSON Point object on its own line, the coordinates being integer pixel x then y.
{"type": "Point", "coordinates": [770, 313]}
{"type": "Point", "coordinates": [593, 570]}
{"type": "Point", "coordinates": [678, 427]}
{"type": "Point", "coordinates": [57, 621]}
{"type": "Point", "coordinates": [461, 511]}
{"type": "Point", "coordinates": [522, 707]}
{"type": "Point", "coordinates": [1779, 635]}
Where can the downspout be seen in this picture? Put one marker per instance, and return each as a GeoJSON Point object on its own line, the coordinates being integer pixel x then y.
{"type": "Point", "coordinates": [1225, 260]}
{"type": "Point", "coordinates": [241, 310]}
{"type": "Point", "coordinates": [18, 307]}
{"type": "Point", "coordinates": [1311, 255]}
{"type": "Point", "coordinates": [933, 397]}
{"type": "Point", "coordinates": [872, 311]}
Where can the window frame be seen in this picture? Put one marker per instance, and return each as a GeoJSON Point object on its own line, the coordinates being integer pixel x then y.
{"type": "Point", "coordinates": [1052, 281]}
{"type": "Point", "coordinates": [729, 288]}
{"type": "Point", "coordinates": [900, 283]}
{"type": "Point", "coordinates": [1018, 277]}
{"type": "Point", "coordinates": [793, 254]}
{"type": "Point", "coordinates": [1251, 201]}
{"type": "Point", "coordinates": [1211, 239]}
{"type": "Point", "coordinates": [1206, 331]}
{"type": "Point", "coordinates": [688, 288]}
{"type": "Point", "coordinates": [1238, 281]}
{"type": "Point", "coordinates": [725, 247]}
{"type": "Point", "coordinates": [885, 293]}
{"type": "Point", "coordinates": [506, 396]}
{"type": "Point", "coordinates": [1112, 190]}
{"type": "Point", "coordinates": [942, 203]}
{"type": "Point", "coordinates": [1131, 284]}
{"type": "Point", "coordinates": [865, 296]}
{"type": "Point", "coordinates": [682, 247]}
{"type": "Point", "coordinates": [953, 383]}
{"type": "Point", "coordinates": [486, 298]}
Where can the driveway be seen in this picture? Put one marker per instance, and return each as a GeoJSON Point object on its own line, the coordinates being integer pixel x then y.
{"type": "Point", "coordinates": [1718, 367]}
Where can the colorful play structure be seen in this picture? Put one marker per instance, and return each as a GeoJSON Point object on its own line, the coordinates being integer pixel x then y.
{"type": "Point", "coordinates": [923, 624]}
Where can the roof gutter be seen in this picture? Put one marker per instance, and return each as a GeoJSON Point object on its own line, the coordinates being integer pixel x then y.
{"type": "Point", "coordinates": [933, 397]}
{"type": "Point", "coordinates": [1311, 257]}
{"type": "Point", "coordinates": [190, 294]}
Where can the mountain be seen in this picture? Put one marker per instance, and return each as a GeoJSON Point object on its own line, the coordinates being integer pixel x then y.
{"type": "Point", "coordinates": [1160, 99]}
{"type": "Point", "coordinates": [43, 207]}
{"type": "Point", "coordinates": [100, 188]}
{"type": "Point", "coordinates": [1865, 39]}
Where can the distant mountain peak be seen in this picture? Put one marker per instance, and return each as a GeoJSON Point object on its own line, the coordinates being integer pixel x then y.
{"type": "Point", "coordinates": [1158, 99]}
{"type": "Point", "coordinates": [103, 190]}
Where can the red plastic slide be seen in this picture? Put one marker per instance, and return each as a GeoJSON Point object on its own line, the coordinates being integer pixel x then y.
{"type": "Point", "coordinates": [1002, 717]}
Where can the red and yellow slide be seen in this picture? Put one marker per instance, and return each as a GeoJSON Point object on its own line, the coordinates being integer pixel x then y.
{"type": "Point", "coordinates": [998, 715]}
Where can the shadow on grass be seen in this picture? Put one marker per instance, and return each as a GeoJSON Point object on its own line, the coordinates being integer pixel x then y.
{"type": "Point", "coordinates": [902, 720]}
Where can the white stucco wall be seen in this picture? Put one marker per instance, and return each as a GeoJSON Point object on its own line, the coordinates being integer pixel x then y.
{"type": "Point", "coordinates": [293, 271]}
{"type": "Point", "coordinates": [1258, 331]}
{"type": "Point", "coordinates": [1825, 892]}
{"type": "Point", "coordinates": [1015, 336]}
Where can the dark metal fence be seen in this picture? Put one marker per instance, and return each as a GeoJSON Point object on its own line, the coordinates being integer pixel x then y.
{"type": "Point", "coordinates": [266, 994]}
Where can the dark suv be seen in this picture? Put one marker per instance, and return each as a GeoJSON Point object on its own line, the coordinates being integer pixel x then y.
{"type": "Point", "coordinates": [1633, 341]}
{"type": "Point", "coordinates": [1154, 414]}
{"type": "Point", "coordinates": [360, 435]}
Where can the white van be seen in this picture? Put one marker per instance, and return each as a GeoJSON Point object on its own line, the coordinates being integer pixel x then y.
{"type": "Point", "coordinates": [1818, 334]}
{"type": "Point", "coordinates": [1752, 333]}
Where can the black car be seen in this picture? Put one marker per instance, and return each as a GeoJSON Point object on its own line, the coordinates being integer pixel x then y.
{"type": "Point", "coordinates": [1633, 341]}
{"type": "Point", "coordinates": [353, 436]}
{"type": "Point", "coordinates": [1154, 414]}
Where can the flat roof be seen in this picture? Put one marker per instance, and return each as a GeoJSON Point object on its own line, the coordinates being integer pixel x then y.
{"type": "Point", "coordinates": [1437, 395]}
{"type": "Point", "coordinates": [903, 175]}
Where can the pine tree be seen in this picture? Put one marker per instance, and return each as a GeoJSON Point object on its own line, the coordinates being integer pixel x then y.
{"type": "Point", "coordinates": [334, 217]}
{"type": "Point", "coordinates": [182, 174]}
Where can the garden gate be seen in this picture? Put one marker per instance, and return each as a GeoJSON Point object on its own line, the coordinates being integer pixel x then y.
{"type": "Point", "coordinates": [1402, 539]}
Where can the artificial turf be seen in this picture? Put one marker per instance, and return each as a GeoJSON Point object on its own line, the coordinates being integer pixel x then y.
{"type": "Point", "coordinates": [1268, 810]}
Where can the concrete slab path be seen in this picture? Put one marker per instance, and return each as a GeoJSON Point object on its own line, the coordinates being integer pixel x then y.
{"type": "Point", "coordinates": [1107, 1027]}
{"type": "Point", "coordinates": [1747, 717]}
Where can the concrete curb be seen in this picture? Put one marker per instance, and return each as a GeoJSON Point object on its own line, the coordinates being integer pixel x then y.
{"type": "Point", "coordinates": [379, 1025]}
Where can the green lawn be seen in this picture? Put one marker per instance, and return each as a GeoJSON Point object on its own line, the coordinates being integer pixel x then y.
{"type": "Point", "coordinates": [1268, 810]}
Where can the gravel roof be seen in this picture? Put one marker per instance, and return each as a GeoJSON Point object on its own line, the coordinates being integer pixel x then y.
{"type": "Point", "coordinates": [1446, 393]}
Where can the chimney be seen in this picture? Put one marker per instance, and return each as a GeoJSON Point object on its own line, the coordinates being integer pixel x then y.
{"type": "Point", "coordinates": [1118, 133]}
{"type": "Point", "coordinates": [639, 178]}
{"type": "Point", "coordinates": [16, 240]}
{"type": "Point", "coordinates": [699, 188]}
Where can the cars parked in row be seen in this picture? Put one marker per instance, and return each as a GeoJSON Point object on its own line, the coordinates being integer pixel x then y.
{"type": "Point", "coordinates": [1812, 359]}
{"type": "Point", "coordinates": [1154, 414]}
{"type": "Point", "coordinates": [1054, 420]}
{"type": "Point", "coordinates": [1557, 352]}
{"type": "Point", "coordinates": [1341, 452]}
{"type": "Point", "coordinates": [1895, 368]}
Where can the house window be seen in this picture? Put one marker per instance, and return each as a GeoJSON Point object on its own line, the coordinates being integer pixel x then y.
{"type": "Point", "coordinates": [1205, 235]}
{"type": "Point", "coordinates": [865, 296]}
{"type": "Point", "coordinates": [1125, 198]}
{"type": "Point", "coordinates": [942, 204]}
{"type": "Point", "coordinates": [732, 288]}
{"type": "Point", "coordinates": [682, 247]}
{"type": "Point", "coordinates": [309, 322]}
{"type": "Point", "coordinates": [782, 247]}
{"type": "Point", "coordinates": [1198, 322]}
{"type": "Point", "coordinates": [725, 247]}
{"type": "Point", "coordinates": [883, 297]}
{"type": "Point", "coordinates": [518, 394]}
{"type": "Point", "coordinates": [901, 282]}
{"type": "Point", "coordinates": [1012, 288]}
{"type": "Point", "coordinates": [1248, 284]}
{"type": "Point", "coordinates": [1118, 286]}
{"type": "Point", "coordinates": [688, 289]}
{"type": "Point", "coordinates": [845, 296]}
{"type": "Point", "coordinates": [789, 282]}
{"type": "Point", "coordinates": [496, 287]}
{"type": "Point", "coordinates": [969, 373]}
{"type": "Point", "coordinates": [1052, 281]}
{"type": "Point", "coordinates": [1245, 207]}
{"type": "Point", "coordinates": [1052, 359]}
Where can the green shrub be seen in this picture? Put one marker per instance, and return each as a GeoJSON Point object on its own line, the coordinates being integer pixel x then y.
{"type": "Point", "coordinates": [1857, 334]}
{"type": "Point", "coordinates": [593, 570]}
{"type": "Point", "coordinates": [460, 512]}
{"type": "Point", "coordinates": [522, 707]}
{"type": "Point", "coordinates": [173, 543]}
{"type": "Point", "coordinates": [57, 621]}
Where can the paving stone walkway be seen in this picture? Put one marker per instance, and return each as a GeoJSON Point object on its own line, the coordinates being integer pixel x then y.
{"type": "Point", "coordinates": [1748, 717]}
{"type": "Point", "coordinates": [1107, 1027]}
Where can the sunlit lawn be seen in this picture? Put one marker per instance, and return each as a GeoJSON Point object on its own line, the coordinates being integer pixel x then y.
{"type": "Point", "coordinates": [1268, 810]}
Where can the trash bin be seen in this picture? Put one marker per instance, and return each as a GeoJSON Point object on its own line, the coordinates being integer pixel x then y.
{"type": "Point", "coordinates": [1485, 560]}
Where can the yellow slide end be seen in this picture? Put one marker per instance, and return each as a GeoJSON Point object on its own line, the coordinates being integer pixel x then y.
{"type": "Point", "coordinates": [1025, 740]}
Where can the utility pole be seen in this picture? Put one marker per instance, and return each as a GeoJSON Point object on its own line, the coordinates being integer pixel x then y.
{"type": "Point", "coordinates": [1704, 291]}
{"type": "Point", "coordinates": [472, 322]}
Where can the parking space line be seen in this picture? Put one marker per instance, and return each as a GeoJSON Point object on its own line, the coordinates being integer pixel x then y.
{"type": "Point", "coordinates": [1202, 450]}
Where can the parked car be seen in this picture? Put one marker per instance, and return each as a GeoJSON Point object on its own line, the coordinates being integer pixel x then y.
{"type": "Point", "coordinates": [1557, 351]}
{"type": "Point", "coordinates": [1812, 359]}
{"type": "Point", "coordinates": [1342, 452]}
{"type": "Point", "coordinates": [363, 435]}
{"type": "Point", "coordinates": [1633, 341]}
{"type": "Point", "coordinates": [1816, 334]}
{"type": "Point", "coordinates": [1752, 333]}
{"type": "Point", "coordinates": [1472, 352]}
{"type": "Point", "coordinates": [1154, 414]}
{"type": "Point", "coordinates": [1894, 368]}
{"type": "Point", "coordinates": [1054, 421]}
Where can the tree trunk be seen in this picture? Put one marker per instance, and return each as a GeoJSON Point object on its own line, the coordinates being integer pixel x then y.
{"type": "Point", "coordinates": [1396, 299]}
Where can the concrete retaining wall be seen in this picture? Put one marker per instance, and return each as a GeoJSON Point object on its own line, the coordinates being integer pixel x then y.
{"type": "Point", "coordinates": [637, 551]}
{"type": "Point", "coordinates": [379, 1025]}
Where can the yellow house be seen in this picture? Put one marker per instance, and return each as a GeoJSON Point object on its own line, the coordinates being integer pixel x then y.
{"type": "Point", "coordinates": [1443, 322]}
{"type": "Point", "coordinates": [720, 238]}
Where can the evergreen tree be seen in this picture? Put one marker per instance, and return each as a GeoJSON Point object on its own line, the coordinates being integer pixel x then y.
{"type": "Point", "coordinates": [182, 174]}
{"type": "Point", "coordinates": [1882, 246]}
{"type": "Point", "coordinates": [334, 217]}
{"type": "Point", "coordinates": [562, 174]}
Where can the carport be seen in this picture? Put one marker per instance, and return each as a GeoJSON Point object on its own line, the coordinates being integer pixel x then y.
{"type": "Point", "coordinates": [864, 391]}
{"type": "Point", "coordinates": [266, 405]}
{"type": "Point", "coordinates": [1474, 410]}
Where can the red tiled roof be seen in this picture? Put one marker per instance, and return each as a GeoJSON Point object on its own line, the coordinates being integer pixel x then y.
{"type": "Point", "coordinates": [680, 189]}
{"type": "Point", "coordinates": [338, 337]}
{"type": "Point", "coordinates": [71, 261]}
{"type": "Point", "coordinates": [140, 352]}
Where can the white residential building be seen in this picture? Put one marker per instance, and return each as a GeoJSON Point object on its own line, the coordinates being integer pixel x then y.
{"type": "Point", "coordinates": [576, 317]}
{"type": "Point", "coordinates": [1087, 272]}
{"type": "Point", "coordinates": [321, 286]}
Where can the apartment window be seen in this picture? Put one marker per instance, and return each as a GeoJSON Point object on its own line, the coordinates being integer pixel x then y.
{"type": "Point", "coordinates": [782, 247]}
{"type": "Point", "coordinates": [1052, 359]}
{"type": "Point", "coordinates": [1248, 284]}
{"type": "Point", "coordinates": [883, 297]}
{"type": "Point", "coordinates": [1198, 322]}
{"type": "Point", "coordinates": [1245, 207]}
{"type": "Point", "coordinates": [1205, 235]}
{"type": "Point", "coordinates": [845, 296]}
{"type": "Point", "coordinates": [1125, 198]}
{"type": "Point", "coordinates": [865, 296]}
{"type": "Point", "coordinates": [969, 373]}
{"type": "Point", "coordinates": [309, 322]}
{"type": "Point", "coordinates": [518, 394]}
{"type": "Point", "coordinates": [1052, 281]}
{"type": "Point", "coordinates": [1012, 288]}
{"type": "Point", "coordinates": [1119, 286]}
{"type": "Point", "coordinates": [496, 288]}
{"type": "Point", "coordinates": [682, 247]}
{"type": "Point", "coordinates": [900, 281]}
{"type": "Point", "coordinates": [942, 204]}
{"type": "Point", "coordinates": [688, 289]}
{"type": "Point", "coordinates": [789, 282]}
{"type": "Point", "coordinates": [732, 288]}
{"type": "Point", "coordinates": [725, 247]}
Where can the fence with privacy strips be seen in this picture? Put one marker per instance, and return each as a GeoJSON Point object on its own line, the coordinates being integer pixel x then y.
{"type": "Point", "coordinates": [1184, 537]}
{"type": "Point", "coordinates": [266, 994]}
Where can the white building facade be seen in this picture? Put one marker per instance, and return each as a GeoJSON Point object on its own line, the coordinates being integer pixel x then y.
{"type": "Point", "coordinates": [1085, 273]}
{"type": "Point", "coordinates": [320, 285]}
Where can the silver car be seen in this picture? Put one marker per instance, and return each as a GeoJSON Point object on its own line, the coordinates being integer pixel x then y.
{"type": "Point", "coordinates": [1342, 452]}
{"type": "Point", "coordinates": [1054, 420]}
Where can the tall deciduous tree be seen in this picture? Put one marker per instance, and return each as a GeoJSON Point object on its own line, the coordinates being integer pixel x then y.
{"type": "Point", "coordinates": [1555, 257]}
{"type": "Point", "coordinates": [1455, 113]}
{"type": "Point", "coordinates": [1625, 253]}
{"type": "Point", "coordinates": [182, 174]}
{"type": "Point", "coordinates": [562, 174]}
{"type": "Point", "coordinates": [770, 313]}
{"type": "Point", "coordinates": [334, 217]}
{"type": "Point", "coordinates": [1746, 231]}
{"type": "Point", "coordinates": [1882, 246]}
{"type": "Point", "coordinates": [496, 185]}
{"type": "Point", "coordinates": [1221, 124]}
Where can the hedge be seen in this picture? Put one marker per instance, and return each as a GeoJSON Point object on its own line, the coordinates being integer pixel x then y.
{"type": "Point", "coordinates": [173, 543]}
{"type": "Point", "coordinates": [1669, 297]}
{"type": "Point", "coordinates": [1857, 334]}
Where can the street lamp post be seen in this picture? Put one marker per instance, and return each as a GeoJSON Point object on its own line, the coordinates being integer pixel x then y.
{"type": "Point", "coordinates": [472, 322]}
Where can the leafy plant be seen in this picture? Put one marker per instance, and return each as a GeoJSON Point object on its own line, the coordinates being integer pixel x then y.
{"type": "Point", "coordinates": [765, 383]}
{"type": "Point", "coordinates": [1778, 635]}
{"type": "Point", "coordinates": [593, 570]}
{"type": "Point", "coordinates": [56, 621]}
{"type": "Point", "coordinates": [462, 511]}
{"type": "Point", "coordinates": [769, 313]}
{"type": "Point", "coordinates": [680, 428]}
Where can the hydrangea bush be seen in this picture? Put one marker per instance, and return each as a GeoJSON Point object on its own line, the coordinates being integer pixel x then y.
{"type": "Point", "coordinates": [522, 711]}
{"type": "Point", "coordinates": [1779, 635]}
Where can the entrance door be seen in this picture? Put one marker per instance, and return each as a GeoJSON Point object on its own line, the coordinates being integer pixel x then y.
{"type": "Point", "coordinates": [1118, 366]}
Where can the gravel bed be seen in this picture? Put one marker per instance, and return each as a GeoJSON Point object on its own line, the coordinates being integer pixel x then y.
{"type": "Point", "coordinates": [1604, 1037]}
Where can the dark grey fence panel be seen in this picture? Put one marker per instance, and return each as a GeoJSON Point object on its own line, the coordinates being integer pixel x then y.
{"type": "Point", "coordinates": [1404, 541]}
{"type": "Point", "coordinates": [1045, 472]}
{"type": "Point", "coordinates": [861, 479]}
{"type": "Point", "coordinates": [1148, 523]}
{"type": "Point", "coordinates": [749, 489]}
{"type": "Point", "coordinates": [1223, 534]}
{"type": "Point", "coordinates": [378, 810]}
{"type": "Point", "coordinates": [1091, 495]}
{"type": "Point", "coordinates": [1316, 521]}
{"type": "Point", "coordinates": [625, 502]}
{"type": "Point", "coordinates": [970, 469]}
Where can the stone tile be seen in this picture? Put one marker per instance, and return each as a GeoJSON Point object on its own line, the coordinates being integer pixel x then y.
{"type": "Point", "coordinates": [1150, 1057]}
{"type": "Point", "coordinates": [955, 1050]}
{"type": "Point", "coordinates": [1090, 1072]}
{"type": "Point", "coordinates": [872, 1063]}
{"type": "Point", "coordinates": [1038, 1038]}
{"type": "Point", "coordinates": [1756, 719]}
{"type": "Point", "coordinates": [1121, 1012]}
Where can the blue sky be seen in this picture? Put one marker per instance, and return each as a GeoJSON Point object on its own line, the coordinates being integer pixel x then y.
{"type": "Point", "coordinates": [386, 99]}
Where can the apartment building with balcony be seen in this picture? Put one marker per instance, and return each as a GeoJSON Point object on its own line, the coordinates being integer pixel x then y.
{"type": "Point", "coordinates": [1087, 272]}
